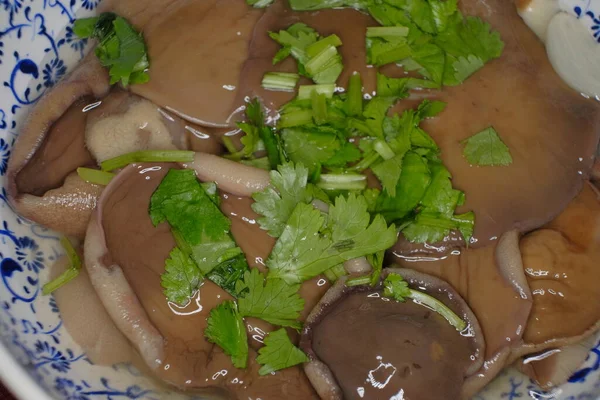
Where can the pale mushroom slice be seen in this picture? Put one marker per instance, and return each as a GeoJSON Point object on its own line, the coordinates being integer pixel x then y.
{"type": "Point", "coordinates": [87, 321]}
{"type": "Point", "coordinates": [562, 268]}
{"type": "Point", "coordinates": [491, 280]}
{"type": "Point", "coordinates": [125, 257]}
{"type": "Point", "coordinates": [363, 345]}
{"type": "Point", "coordinates": [553, 367]}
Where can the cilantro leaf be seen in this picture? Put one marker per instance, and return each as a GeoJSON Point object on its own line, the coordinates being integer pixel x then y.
{"type": "Point", "coordinates": [464, 67]}
{"type": "Point", "coordinates": [229, 272]}
{"type": "Point", "coordinates": [199, 227]}
{"type": "Point", "coordinates": [487, 149]}
{"type": "Point", "coordinates": [309, 246]}
{"type": "Point", "coordinates": [295, 39]}
{"type": "Point", "coordinates": [273, 301]}
{"type": "Point", "coordinates": [412, 185]}
{"type": "Point", "coordinates": [288, 187]}
{"type": "Point", "coordinates": [311, 146]}
{"type": "Point", "coordinates": [226, 329]}
{"type": "Point", "coordinates": [432, 227]}
{"type": "Point", "coordinates": [181, 278]}
{"type": "Point", "coordinates": [395, 287]}
{"type": "Point", "coordinates": [399, 87]}
{"type": "Point", "coordinates": [388, 172]}
{"type": "Point", "coordinates": [279, 353]}
{"type": "Point", "coordinates": [375, 112]}
{"type": "Point", "coordinates": [121, 48]}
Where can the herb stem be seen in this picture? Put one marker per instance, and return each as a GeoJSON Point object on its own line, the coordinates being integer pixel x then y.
{"type": "Point", "coordinates": [95, 176]}
{"type": "Point", "coordinates": [295, 118]}
{"type": "Point", "coordinates": [317, 47]}
{"type": "Point", "coordinates": [439, 307]}
{"type": "Point", "coordinates": [359, 280]}
{"type": "Point", "coordinates": [280, 81]}
{"type": "Point", "coordinates": [387, 31]}
{"type": "Point", "coordinates": [69, 274]}
{"type": "Point", "coordinates": [383, 149]}
{"type": "Point", "coordinates": [354, 102]}
{"type": "Point", "coordinates": [342, 182]}
{"type": "Point", "coordinates": [366, 162]}
{"type": "Point", "coordinates": [147, 156]}
{"type": "Point", "coordinates": [305, 91]}
{"type": "Point", "coordinates": [321, 61]}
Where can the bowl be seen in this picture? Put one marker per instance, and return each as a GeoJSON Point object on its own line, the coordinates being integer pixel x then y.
{"type": "Point", "coordinates": [39, 359]}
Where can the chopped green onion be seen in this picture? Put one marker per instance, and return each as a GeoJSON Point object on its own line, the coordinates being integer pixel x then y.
{"type": "Point", "coordinates": [321, 61]}
{"type": "Point", "coordinates": [317, 47]}
{"type": "Point", "coordinates": [95, 176]}
{"type": "Point", "coordinates": [319, 108]}
{"type": "Point", "coordinates": [295, 118]}
{"type": "Point", "coordinates": [387, 31]}
{"type": "Point", "coordinates": [69, 274]}
{"type": "Point", "coordinates": [354, 101]}
{"type": "Point", "coordinates": [359, 280]}
{"type": "Point", "coordinates": [305, 91]}
{"type": "Point", "coordinates": [280, 81]}
{"type": "Point", "coordinates": [342, 182]}
{"type": "Point", "coordinates": [147, 156]}
{"type": "Point", "coordinates": [439, 307]}
{"type": "Point", "coordinates": [383, 149]}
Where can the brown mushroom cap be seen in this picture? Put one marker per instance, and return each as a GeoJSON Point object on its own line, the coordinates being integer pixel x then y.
{"type": "Point", "coordinates": [362, 345]}
{"type": "Point", "coordinates": [125, 256]}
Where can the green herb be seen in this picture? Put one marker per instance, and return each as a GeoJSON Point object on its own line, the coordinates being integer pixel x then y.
{"type": "Point", "coordinates": [181, 278]}
{"type": "Point", "coordinates": [147, 156]}
{"type": "Point", "coordinates": [226, 329]}
{"type": "Point", "coordinates": [121, 48]}
{"type": "Point", "coordinates": [200, 229]}
{"type": "Point", "coordinates": [376, 261]}
{"type": "Point", "coordinates": [70, 273]}
{"type": "Point", "coordinates": [279, 353]}
{"type": "Point", "coordinates": [397, 288]}
{"type": "Point", "coordinates": [310, 5]}
{"type": "Point", "coordinates": [387, 32]}
{"type": "Point", "coordinates": [388, 172]}
{"type": "Point", "coordinates": [273, 301]}
{"type": "Point", "coordinates": [305, 91]}
{"type": "Point", "coordinates": [374, 114]}
{"type": "Point", "coordinates": [310, 246]}
{"type": "Point", "coordinates": [354, 101]}
{"type": "Point", "coordinates": [317, 57]}
{"type": "Point", "coordinates": [399, 87]}
{"type": "Point", "coordinates": [280, 81]}
{"type": "Point", "coordinates": [288, 187]}
{"type": "Point", "coordinates": [95, 176]}
{"type": "Point", "coordinates": [228, 273]}
{"type": "Point", "coordinates": [311, 145]}
{"type": "Point", "coordinates": [348, 181]}
{"type": "Point", "coordinates": [334, 273]}
{"type": "Point", "coordinates": [487, 149]}
{"type": "Point", "coordinates": [257, 136]}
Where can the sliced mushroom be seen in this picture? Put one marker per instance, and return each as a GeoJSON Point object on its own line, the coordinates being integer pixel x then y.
{"type": "Point", "coordinates": [553, 367]}
{"type": "Point", "coordinates": [491, 280]}
{"type": "Point", "coordinates": [551, 130]}
{"type": "Point", "coordinates": [362, 345]}
{"type": "Point", "coordinates": [87, 321]}
{"type": "Point", "coordinates": [562, 268]}
{"type": "Point", "coordinates": [125, 256]}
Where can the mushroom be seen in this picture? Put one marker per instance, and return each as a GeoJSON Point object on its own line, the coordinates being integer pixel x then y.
{"type": "Point", "coordinates": [125, 255]}
{"type": "Point", "coordinates": [363, 345]}
{"type": "Point", "coordinates": [491, 280]}
{"type": "Point", "coordinates": [551, 130]}
{"type": "Point", "coordinates": [561, 265]}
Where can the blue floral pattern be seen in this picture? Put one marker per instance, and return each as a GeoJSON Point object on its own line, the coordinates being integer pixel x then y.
{"type": "Point", "coordinates": [37, 48]}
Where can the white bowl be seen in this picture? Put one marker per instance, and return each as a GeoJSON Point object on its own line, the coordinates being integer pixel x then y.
{"type": "Point", "coordinates": [38, 358]}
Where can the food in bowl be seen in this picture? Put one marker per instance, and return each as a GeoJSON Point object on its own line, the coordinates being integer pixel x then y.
{"type": "Point", "coordinates": [234, 179]}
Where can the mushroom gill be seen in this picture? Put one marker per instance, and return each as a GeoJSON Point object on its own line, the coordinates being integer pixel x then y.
{"type": "Point", "coordinates": [125, 257]}
{"type": "Point", "coordinates": [363, 345]}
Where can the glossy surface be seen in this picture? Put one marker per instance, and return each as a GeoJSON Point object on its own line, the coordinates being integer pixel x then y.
{"type": "Point", "coordinates": [38, 48]}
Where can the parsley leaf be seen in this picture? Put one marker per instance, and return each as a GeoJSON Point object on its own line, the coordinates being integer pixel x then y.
{"type": "Point", "coordinates": [279, 353]}
{"type": "Point", "coordinates": [487, 149]}
{"type": "Point", "coordinates": [226, 329]}
{"type": "Point", "coordinates": [273, 301]}
{"type": "Point", "coordinates": [388, 172]}
{"type": "Point", "coordinates": [309, 245]}
{"type": "Point", "coordinates": [181, 278]}
{"type": "Point", "coordinates": [229, 272]}
{"type": "Point", "coordinates": [121, 48]}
